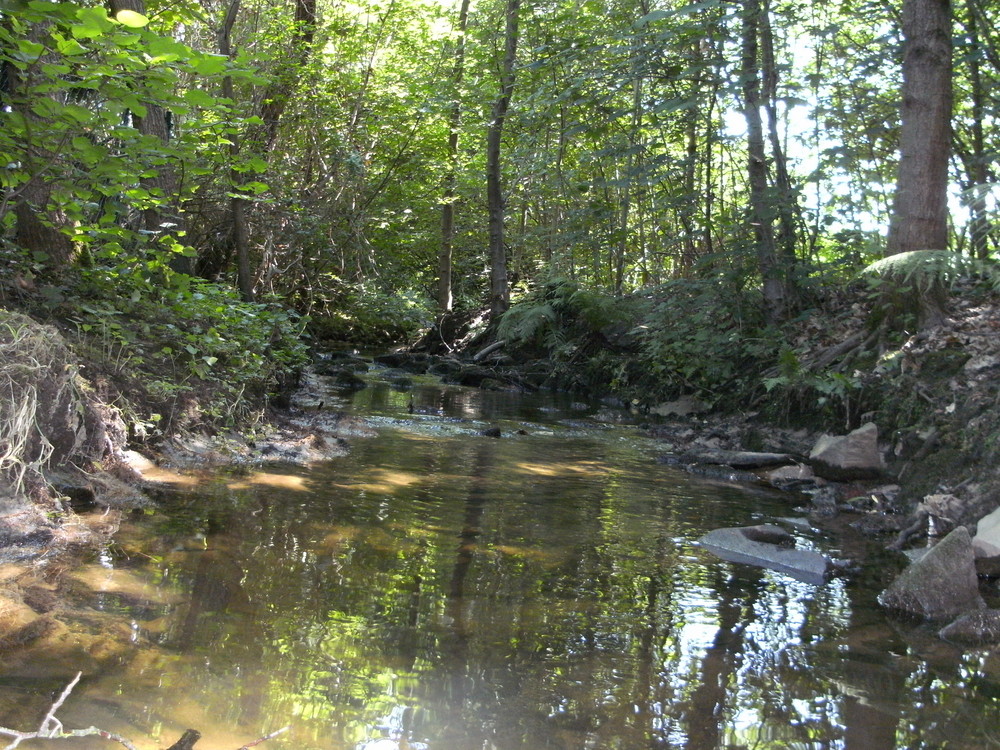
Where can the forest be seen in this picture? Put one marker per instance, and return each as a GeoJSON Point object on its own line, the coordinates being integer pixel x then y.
{"type": "Point", "coordinates": [671, 193]}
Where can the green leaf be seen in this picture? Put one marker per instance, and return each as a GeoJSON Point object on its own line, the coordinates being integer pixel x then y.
{"type": "Point", "coordinates": [209, 65]}
{"type": "Point", "coordinates": [199, 98]}
{"type": "Point", "coordinates": [91, 23]}
{"type": "Point", "coordinates": [131, 18]}
{"type": "Point", "coordinates": [70, 47]}
{"type": "Point", "coordinates": [28, 50]}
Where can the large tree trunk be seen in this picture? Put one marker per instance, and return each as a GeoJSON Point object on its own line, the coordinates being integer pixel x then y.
{"type": "Point", "coordinates": [499, 292]}
{"type": "Point", "coordinates": [445, 291]}
{"type": "Point", "coordinates": [920, 209]}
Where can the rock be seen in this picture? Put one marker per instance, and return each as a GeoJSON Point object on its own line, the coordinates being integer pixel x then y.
{"type": "Point", "coordinates": [847, 457]}
{"type": "Point", "coordinates": [767, 546]}
{"type": "Point", "coordinates": [789, 475]}
{"type": "Point", "coordinates": [988, 567]}
{"type": "Point", "coordinates": [986, 542]}
{"type": "Point", "coordinates": [941, 584]}
{"type": "Point", "coordinates": [981, 363]}
{"type": "Point", "coordinates": [681, 407]}
{"type": "Point", "coordinates": [974, 628]}
{"type": "Point", "coordinates": [824, 502]}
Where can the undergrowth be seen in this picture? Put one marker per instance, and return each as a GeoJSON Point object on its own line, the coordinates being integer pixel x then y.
{"type": "Point", "coordinates": [172, 351]}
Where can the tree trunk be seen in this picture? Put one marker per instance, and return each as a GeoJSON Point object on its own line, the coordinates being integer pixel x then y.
{"type": "Point", "coordinates": [445, 290]}
{"type": "Point", "coordinates": [37, 222]}
{"type": "Point", "coordinates": [281, 88]}
{"type": "Point", "coordinates": [499, 292]}
{"type": "Point", "coordinates": [976, 160]}
{"type": "Point", "coordinates": [762, 210]}
{"type": "Point", "coordinates": [237, 205]}
{"type": "Point", "coordinates": [920, 208]}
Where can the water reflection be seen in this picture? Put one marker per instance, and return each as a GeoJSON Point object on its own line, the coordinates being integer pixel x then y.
{"type": "Point", "coordinates": [438, 589]}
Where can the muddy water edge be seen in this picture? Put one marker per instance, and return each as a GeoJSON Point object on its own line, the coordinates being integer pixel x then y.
{"type": "Point", "coordinates": [443, 588]}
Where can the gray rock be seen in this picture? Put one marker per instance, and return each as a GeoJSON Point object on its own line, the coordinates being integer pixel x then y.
{"type": "Point", "coordinates": [846, 457]}
{"type": "Point", "coordinates": [975, 628]}
{"type": "Point", "coordinates": [986, 542]}
{"type": "Point", "coordinates": [941, 584]}
{"type": "Point", "coordinates": [681, 407]}
{"type": "Point", "coordinates": [767, 546]}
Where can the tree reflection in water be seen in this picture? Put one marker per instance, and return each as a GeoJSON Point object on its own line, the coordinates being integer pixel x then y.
{"type": "Point", "coordinates": [437, 589]}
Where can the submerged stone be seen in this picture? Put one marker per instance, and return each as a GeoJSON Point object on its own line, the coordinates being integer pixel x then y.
{"type": "Point", "coordinates": [767, 546]}
{"type": "Point", "coordinates": [975, 628]}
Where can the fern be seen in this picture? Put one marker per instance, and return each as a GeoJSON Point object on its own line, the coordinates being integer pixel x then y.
{"type": "Point", "coordinates": [926, 269]}
{"type": "Point", "coordinates": [527, 323]}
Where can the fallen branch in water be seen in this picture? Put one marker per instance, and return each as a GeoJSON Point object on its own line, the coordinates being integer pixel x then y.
{"type": "Point", "coordinates": [52, 729]}
{"type": "Point", "coordinates": [265, 739]}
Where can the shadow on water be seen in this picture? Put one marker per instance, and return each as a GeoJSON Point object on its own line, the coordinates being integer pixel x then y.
{"type": "Point", "coordinates": [441, 589]}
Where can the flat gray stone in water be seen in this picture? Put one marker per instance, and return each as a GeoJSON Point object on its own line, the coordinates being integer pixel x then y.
{"type": "Point", "coordinates": [767, 546]}
{"type": "Point", "coordinates": [941, 584]}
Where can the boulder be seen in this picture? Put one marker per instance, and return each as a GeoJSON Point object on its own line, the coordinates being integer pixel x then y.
{"type": "Point", "coordinates": [941, 584]}
{"type": "Point", "coordinates": [986, 542]}
{"type": "Point", "coordinates": [847, 457]}
{"type": "Point", "coordinates": [680, 407]}
{"type": "Point", "coordinates": [767, 546]}
{"type": "Point", "coordinates": [976, 628]}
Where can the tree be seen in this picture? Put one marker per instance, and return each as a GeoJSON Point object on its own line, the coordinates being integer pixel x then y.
{"type": "Point", "coordinates": [499, 291]}
{"type": "Point", "coordinates": [445, 291]}
{"type": "Point", "coordinates": [920, 208]}
{"type": "Point", "coordinates": [762, 208]}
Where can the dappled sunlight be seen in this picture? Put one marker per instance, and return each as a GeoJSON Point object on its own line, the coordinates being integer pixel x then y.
{"type": "Point", "coordinates": [131, 584]}
{"type": "Point", "coordinates": [384, 481]}
{"type": "Point", "coordinates": [562, 469]}
{"type": "Point", "coordinates": [268, 479]}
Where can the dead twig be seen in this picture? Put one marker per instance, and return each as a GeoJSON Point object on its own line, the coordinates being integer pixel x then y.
{"type": "Point", "coordinates": [272, 735]}
{"type": "Point", "coordinates": [52, 729]}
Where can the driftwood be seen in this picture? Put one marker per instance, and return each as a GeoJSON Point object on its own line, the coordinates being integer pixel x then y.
{"type": "Point", "coordinates": [52, 729]}
{"type": "Point", "coordinates": [187, 740]}
{"type": "Point", "coordinates": [489, 350]}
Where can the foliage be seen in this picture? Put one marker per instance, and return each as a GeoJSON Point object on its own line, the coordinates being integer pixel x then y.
{"type": "Point", "coordinates": [368, 315]}
{"type": "Point", "coordinates": [562, 313]}
{"type": "Point", "coordinates": [170, 341]}
{"type": "Point", "coordinates": [924, 270]}
{"type": "Point", "coordinates": [825, 396]}
{"type": "Point", "coordinates": [705, 336]}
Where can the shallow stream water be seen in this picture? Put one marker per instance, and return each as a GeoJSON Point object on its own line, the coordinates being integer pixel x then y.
{"type": "Point", "coordinates": [438, 589]}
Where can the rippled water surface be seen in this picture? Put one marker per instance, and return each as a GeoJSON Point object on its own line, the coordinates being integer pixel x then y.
{"type": "Point", "coordinates": [445, 590]}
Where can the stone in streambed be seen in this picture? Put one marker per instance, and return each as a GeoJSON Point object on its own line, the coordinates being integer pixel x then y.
{"type": "Point", "coordinates": [767, 546]}
{"type": "Point", "coordinates": [942, 584]}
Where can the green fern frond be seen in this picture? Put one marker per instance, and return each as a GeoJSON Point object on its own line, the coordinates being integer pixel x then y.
{"type": "Point", "coordinates": [526, 322]}
{"type": "Point", "coordinates": [925, 269]}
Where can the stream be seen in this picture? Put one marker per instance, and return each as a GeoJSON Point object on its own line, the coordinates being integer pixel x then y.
{"type": "Point", "coordinates": [438, 589]}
